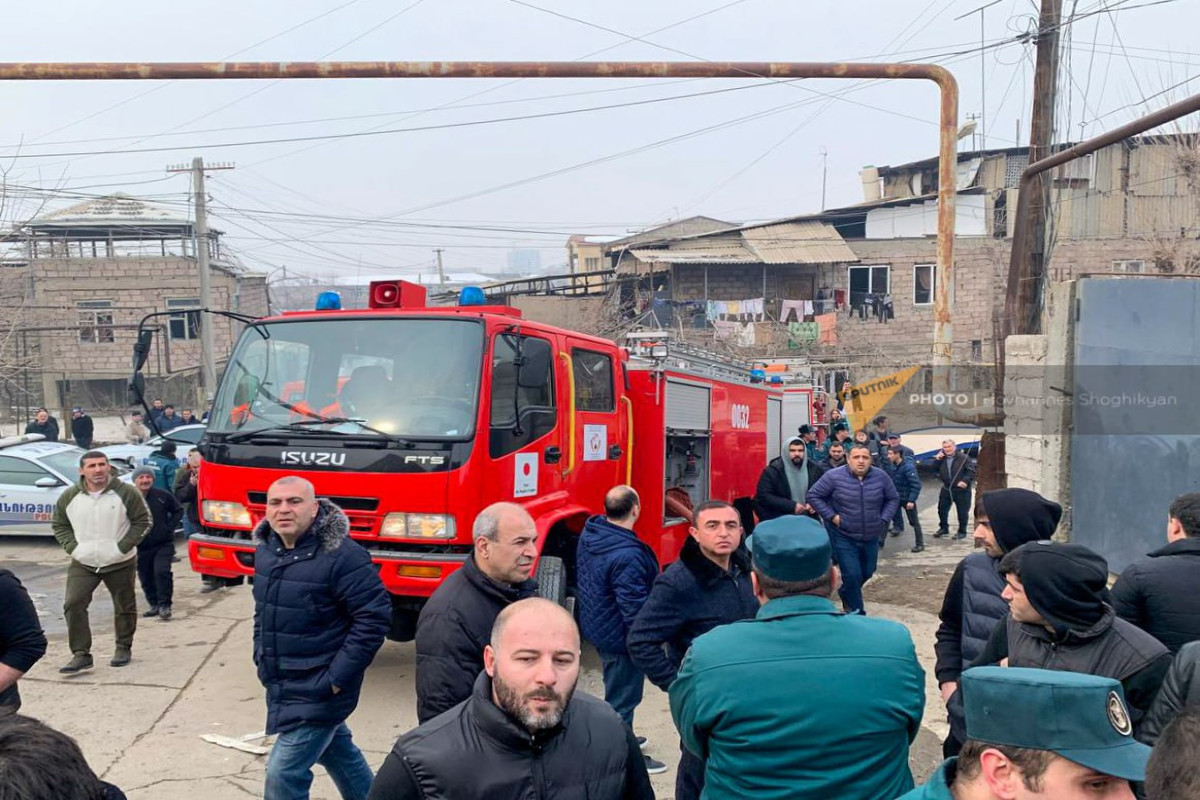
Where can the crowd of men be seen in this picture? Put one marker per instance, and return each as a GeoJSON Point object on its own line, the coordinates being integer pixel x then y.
{"type": "Point", "coordinates": [1054, 686]}
{"type": "Point", "coordinates": [136, 430]}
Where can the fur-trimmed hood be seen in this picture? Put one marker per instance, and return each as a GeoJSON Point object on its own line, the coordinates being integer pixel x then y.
{"type": "Point", "coordinates": [331, 527]}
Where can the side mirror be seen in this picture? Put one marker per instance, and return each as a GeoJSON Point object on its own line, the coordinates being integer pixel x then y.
{"type": "Point", "coordinates": [137, 388]}
{"type": "Point", "coordinates": [47, 483]}
{"type": "Point", "coordinates": [535, 366]}
{"type": "Point", "coordinates": [141, 349]}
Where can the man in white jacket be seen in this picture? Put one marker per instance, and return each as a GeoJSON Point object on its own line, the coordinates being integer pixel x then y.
{"type": "Point", "coordinates": [99, 522]}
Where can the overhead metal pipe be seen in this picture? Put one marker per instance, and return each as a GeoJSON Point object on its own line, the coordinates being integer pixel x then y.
{"type": "Point", "coordinates": [943, 332]}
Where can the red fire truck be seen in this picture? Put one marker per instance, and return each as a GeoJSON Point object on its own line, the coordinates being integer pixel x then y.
{"type": "Point", "coordinates": [413, 418]}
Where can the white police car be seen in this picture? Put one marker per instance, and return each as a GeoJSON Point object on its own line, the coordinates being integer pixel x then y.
{"type": "Point", "coordinates": [33, 473]}
{"type": "Point", "coordinates": [185, 438]}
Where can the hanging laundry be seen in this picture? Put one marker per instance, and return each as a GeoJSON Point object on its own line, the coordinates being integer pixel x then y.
{"type": "Point", "coordinates": [808, 308]}
{"type": "Point", "coordinates": [787, 307]}
{"type": "Point", "coordinates": [726, 330]}
{"type": "Point", "coordinates": [745, 335]}
{"type": "Point", "coordinates": [753, 308]}
{"type": "Point", "coordinates": [827, 326]}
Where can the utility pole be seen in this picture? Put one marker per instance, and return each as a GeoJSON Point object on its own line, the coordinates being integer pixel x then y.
{"type": "Point", "coordinates": [982, 73]}
{"type": "Point", "coordinates": [208, 367]}
{"type": "Point", "coordinates": [1026, 317]}
{"type": "Point", "coordinates": [824, 170]}
{"type": "Point", "coordinates": [441, 273]}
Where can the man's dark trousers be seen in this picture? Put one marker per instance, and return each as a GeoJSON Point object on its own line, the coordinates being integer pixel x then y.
{"type": "Point", "coordinates": [961, 498]}
{"type": "Point", "coordinates": [911, 513]}
{"type": "Point", "coordinates": [689, 776]}
{"type": "Point", "coordinates": [623, 684]}
{"type": "Point", "coordinates": [154, 571]}
{"type": "Point", "coordinates": [81, 584]}
{"type": "Point", "coordinates": [857, 559]}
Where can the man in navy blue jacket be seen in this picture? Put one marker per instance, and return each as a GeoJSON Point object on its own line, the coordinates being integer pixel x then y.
{"type": "Point", "coordinates": [320, 615]}
{"type": "Point", "coordinates": [908, 488]}
{"type": "Point", "coordinates": [708, 586]}
{"type": "Point", "coordinates": [614, 573]}
{"type": "Point", "coordinates": [859, 500]}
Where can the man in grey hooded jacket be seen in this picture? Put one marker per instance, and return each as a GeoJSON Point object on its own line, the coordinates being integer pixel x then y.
{"type": "Point", "coordinates": [784, 484]}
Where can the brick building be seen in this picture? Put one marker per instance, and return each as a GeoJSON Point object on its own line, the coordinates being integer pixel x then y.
{"type": "Point", "coordinates": [75, 285]}
{"type": "Point", "coordinates": [1129, 208]}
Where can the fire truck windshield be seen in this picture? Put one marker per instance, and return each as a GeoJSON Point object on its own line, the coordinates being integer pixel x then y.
{"type": "Point", "coordinates": [409, 378]}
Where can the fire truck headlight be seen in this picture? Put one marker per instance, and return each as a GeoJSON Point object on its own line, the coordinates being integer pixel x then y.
{"type": "Point", "coordinates": [430, 526]}
{"type": "Point", "coordinates": [220, 512]}
{"type": "Point", "coordinates": [418, 526]}
{"type": "Point", "coordinates": [394, 525]}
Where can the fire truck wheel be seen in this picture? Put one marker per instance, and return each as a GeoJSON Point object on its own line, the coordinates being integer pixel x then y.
{"type": "Point", "coordinates": [551, 578]}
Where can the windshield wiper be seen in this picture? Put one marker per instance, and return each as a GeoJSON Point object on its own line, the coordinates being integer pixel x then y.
{"type": "Point", "coordinates": [304, 426]}
{"type": "Point", "coordinates": [353, 420]}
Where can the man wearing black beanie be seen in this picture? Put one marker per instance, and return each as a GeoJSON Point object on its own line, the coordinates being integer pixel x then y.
{"type": "Point", "coordinates": [1004, 520]}
{"type": "Point", "coordinates": [1059, 619]}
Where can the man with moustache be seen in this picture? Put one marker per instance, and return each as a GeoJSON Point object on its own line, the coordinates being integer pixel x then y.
{"type": "Point", "coordinates": [524, 731]}
{"type": "Point", "coordinates": [707, 587]}
{"type": "Point", "coordinates": [454, 625]}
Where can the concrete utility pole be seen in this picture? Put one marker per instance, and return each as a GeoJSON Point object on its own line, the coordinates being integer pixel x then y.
{"type": "Point", "coordinates": [441, 272]}
{"type": "Point", "coordinates": [1026, 317]}
{"type": "Point", "coordinates": [208, 367]}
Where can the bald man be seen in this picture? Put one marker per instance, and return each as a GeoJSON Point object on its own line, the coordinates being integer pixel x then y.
{"type": "Point", "coordinates": [455, 624]}
{"type": "Point", "coordinates": [320, 615]}
{"type": "Point", "coordinates": [615, 571]}
{"type": "Point", "coordinates": [524, 731]}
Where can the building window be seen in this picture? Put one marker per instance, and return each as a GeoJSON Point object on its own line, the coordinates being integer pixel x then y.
{"type": "Point", "coordinates": [591, 264]}
{"type": "Point", "coordinates": [923, 284]}
{"type": "Point", "coordinates": [184, 325]}
{"type": "Point", "coordinates": [976, 349]}
{"type": "Point", "coordinates": [1129, 265]}
{"type": "Point", "coordinates": [95, 321]}
{"type": "Point", "coordinates": [867, 284]}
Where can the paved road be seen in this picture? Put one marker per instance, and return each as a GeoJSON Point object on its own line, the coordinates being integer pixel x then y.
{"type": "Point", "coordinates": [140, 726]}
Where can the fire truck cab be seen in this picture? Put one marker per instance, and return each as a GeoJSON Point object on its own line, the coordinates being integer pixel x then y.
{"type": "Point", "coordinates": [413, 419]}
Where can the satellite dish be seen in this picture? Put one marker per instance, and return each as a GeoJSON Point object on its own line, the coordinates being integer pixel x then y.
{"type": "Point", "coordinates": [966, 130]}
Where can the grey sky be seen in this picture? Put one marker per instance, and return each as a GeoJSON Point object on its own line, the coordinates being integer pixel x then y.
{"type": "Point", "coordinates": [765, 167]}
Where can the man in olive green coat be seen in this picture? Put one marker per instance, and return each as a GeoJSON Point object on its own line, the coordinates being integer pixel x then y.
{"type": "Point", "coordinates": [802, 701]}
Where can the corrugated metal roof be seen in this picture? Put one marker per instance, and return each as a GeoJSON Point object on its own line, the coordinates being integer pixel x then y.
{"type": "Point", "coordinates": [715, 255]}
{"type": "Point", "coordinates": [114, 210]}
{"type": "Point", "coordinates": [809, 242]}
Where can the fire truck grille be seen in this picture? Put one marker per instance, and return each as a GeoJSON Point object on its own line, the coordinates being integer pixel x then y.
{"type": "Point", "coordinates": [344, 503]}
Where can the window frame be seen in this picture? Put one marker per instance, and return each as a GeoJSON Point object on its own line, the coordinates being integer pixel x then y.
{"type": "Point", "coordinates": [92, 329]}
{"type": "Point", "coordinates": [932, 284]}
{"type": "Point", "coordinates": [1121, 266]}
{"type": "Point", "coordinates": [612, 385]}
{"type": "Point", "coordinates": [189, 319]}
{"type": "Point", "coordinates": [870, 280]}
{"type": "Point", "coordinates": [33, 467]}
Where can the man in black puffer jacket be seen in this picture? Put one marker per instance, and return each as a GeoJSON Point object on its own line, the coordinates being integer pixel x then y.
{"type": "Point", "coordinates": [524, 731]}
{"type": "Point", "coordinates": [320, 615]}
{"type": "Point", "coordinates": [783, 485]}
{"type": "Point", "coordinates": [22, 641]}
{"type": "Point", "coordinates": [1058, 619]}
{"type": "Point", "coordinates": [455, 624]}
{"type": "Point", "coordinates": [1158, 593]}
{"type": "Point", "coordinates": [1180, 690]}
{"type": "Point", "coordinates": [1005, 519]}
{"type": "Point", "coordinates": [154, 553]}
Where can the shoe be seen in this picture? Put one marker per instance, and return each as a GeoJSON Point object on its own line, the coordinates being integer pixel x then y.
{"type": "Point", "coordinates": [941, 532]}
{"type": "Point", "coordinates": [896, 531]}
{"type": "Point", "coordinates": [641, 740]}
{"type": "Point", "coordinates": [209, 587]}
{"type": "Point", "coordinates": [78, 661]}
{"type": "Point", "coordinates": [120, 657]}
{"type": "Point", "coordinates": [175, 559]}
{"type": "Point", "coordinates": [958, 537]}
{"type": "Point", "coordinates": [164, 613]}
{"type": "Point", "coordinates": [151, 612]}
{"type": "Point", "coordinates": [654, 767]}
{"type": "Point", "coordinates": [918, 549]}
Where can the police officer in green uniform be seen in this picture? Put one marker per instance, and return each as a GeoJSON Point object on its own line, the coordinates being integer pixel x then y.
{"type": "Point", "coordinates": [1034, 733]}
{"type": "Point", "coordinates": [802, 700]}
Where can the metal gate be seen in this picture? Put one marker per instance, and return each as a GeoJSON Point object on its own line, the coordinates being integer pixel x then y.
{"type": "Point", "coordinates": [1135, 439]}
